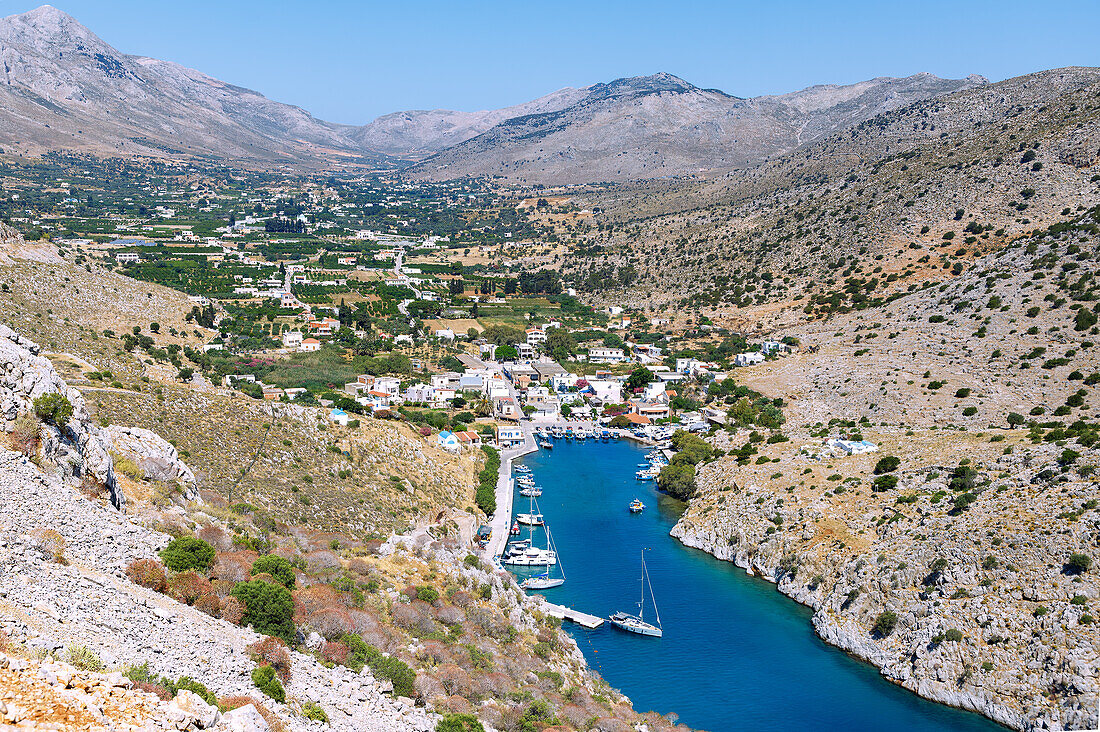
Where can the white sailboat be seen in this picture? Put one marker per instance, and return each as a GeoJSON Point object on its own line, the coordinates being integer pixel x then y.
{"type": "Point", "coordinates": [544, 581]}
{"type": "Point", "coordinates": [637, 623]}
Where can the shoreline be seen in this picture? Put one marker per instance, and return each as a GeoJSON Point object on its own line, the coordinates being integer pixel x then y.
{"type": "Point", "coordinates": [853, 641]}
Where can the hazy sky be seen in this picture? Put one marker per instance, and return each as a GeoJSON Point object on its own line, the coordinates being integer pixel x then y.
{"type": "Point", "coordinates": [348, 61]}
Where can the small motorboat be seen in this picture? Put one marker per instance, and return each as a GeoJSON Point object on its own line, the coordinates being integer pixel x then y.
{"type": "Point", "coordinates": [531, 491]}
{"type": "Point", "coordinates": [530, 519]}
{"type": "Point", "coordinates": [515, 528]}
{"type": "Point", "coordinates": [636, 506]}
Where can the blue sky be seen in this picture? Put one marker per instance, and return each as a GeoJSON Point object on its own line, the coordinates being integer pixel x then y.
{"type": "Point", "coordinates": [348, 61]}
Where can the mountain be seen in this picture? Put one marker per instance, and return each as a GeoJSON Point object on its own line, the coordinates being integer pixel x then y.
{"type": "Point", "coordinates": [660, 125]}
{"type": "Point", "coordinates": [62, 87]}
{"type": "Point", "coordinates": [419, 132]}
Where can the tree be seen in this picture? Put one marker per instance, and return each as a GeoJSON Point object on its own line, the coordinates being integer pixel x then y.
{"type": "Point", "coordinates": [638, 378]}
{"type": "Point", "coordinates": [456, 286]}
{"type": "Point", "coordinates": [53, 408]}
{"type": "Point", "coordinates": [560, 344]}
{"type": "Point", "coordinates": [1078, 564]}
{"type": "Point", "coordinates": [507, 353]}
{"type": "Point", "coordinates": [472, 334]}
{"type": "Point", "coordinates": [155, 327]}
{"type": "Point", "coordinates": [677, 480]}
{"type": "Point", "coordinates": [1015, 420]}
{"type": "Point", "coordinates": [620, 423]}
{"type": "Point", "coordinates": [187, 552]}
{"type": "Point", "coordinates": [269, 608]}
{"type": "Point", "coordinates": [186, 373]}
{"type": "Point", "coordinates": [885, 623]}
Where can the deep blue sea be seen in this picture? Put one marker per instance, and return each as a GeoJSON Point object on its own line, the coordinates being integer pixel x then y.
{"type": "Point", "coordinates": [736, 654]}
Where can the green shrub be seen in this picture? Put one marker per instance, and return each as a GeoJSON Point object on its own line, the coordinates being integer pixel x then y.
{"type": "Point", "coordinates": [84, 658]}
{"type": "Point", "coordinates": [264, 679]}
{"type": "Point", "coordinates": [188, 552]}
{"type": "Point", "coordinates": [269, 608]}
{"type": "Point", "coordinates": [314, 712]}
{"type": "Point", "coordinates": [887, 464]}
{"type": "Point", "coordinates": [459, 723]}
{"type": "Point", "coordinates": [885, 623]}
{"type": "Point", "coordinates": [427, 594]}
{"type": "Point", "coordinates": [53, 408]}
{"type": "Point", "coordinates": [953, 635]}
{"type": "Point", "coordinates": [884, 483]}
{"type": "Point", "coordinates": [186, 683]}
{"type": "Point", "coordinates": [1078, 563]}
{"type": "Point", "coordinates": [279, 568]}
{"type": "Point", "coordinates": [395, 670]}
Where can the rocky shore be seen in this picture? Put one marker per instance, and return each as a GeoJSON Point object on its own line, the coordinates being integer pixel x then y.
{"type": "Point", "coordinates": [973, 609]}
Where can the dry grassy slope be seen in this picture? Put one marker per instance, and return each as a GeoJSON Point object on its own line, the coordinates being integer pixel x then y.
{"type": "Point", "coordinates": [849, 196]}
{"type": "Point", "coordinates": [66, 307]}
{"type": "Point", "coordinates": [296, 474]}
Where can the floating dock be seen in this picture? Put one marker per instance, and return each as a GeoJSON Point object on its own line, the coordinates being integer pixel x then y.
{"type": "Point", "coordinates": [567, 613]}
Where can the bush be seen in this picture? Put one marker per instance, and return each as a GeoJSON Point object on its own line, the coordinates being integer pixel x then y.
{"type": "Point", "coordinates": [148, 573]}
{"type": "Point", "coordinates": [272, 652]}
{"type": "Point", "coordinates": [189, 586]}
{"type": "Point", "coordinates": [427, 594]}
{"type": "Point", "coordinates": [885, 623]}
{"type": "Point", "coordinates": [84, 658]}
{"type": "Point", "coordinates": [386, 667]}
{"type": "Point", "coordinates": [53, 408]}
{"type": "Point", "coordinates": [887, 464]}
{"type": "Point", "coordinates": [279, 568]}
{"type": "Point", "coordinates": [210, 604]}
{"type": "Point", "coordinates": [188, 552]}
{"type": "Point", "coordinates": [26, 435]}
{"type": "Point", "coordinates": [884, 483]}
{"type": "Point", "coordinates": [186, 683]}
{"type": "Point", "coordinates": [265, 680]}
{"type": "Point", "coordinates": [1078, 564]}
{"type": "Point", "coordinates": [459, 723]}
{"type": "Point", "coordinates": [268, 608]}
{"type": "Point", "coordinates": [233, 610]}
{"type": "Point", "coordinates": [953, 635]}
{"type": "Point", "coordinates": [314, 712]}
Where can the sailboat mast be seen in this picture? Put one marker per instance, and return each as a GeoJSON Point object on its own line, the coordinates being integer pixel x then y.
{"type": "Point", "coordinates": [651, 595]}
{"type": "Point", "coordinates": [641, 605]}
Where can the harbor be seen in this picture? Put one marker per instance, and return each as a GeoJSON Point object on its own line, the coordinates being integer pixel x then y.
{"type": "Point", "coordinates": [750, 650]}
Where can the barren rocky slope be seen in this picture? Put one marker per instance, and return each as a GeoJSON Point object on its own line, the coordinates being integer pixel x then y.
{"type": "Point", "coordinates": [658, 126]}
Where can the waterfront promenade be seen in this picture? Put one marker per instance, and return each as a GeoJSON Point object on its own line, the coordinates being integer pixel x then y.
{"type": "Point", "coordinates": [502, 518]}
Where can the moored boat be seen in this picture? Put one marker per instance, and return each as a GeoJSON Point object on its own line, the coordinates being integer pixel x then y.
{"type": "Point", "coordinates": [636, 506]}
{"type": "Point", "coordinates": [637, 623]}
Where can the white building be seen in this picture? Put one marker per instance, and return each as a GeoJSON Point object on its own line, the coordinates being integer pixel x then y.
{"type": "Point", "coordinates": [292, 339]}
{"type": "Point", "coordinates": [602, 354]}
{"type": "Point", "coordinates": [748, 359]}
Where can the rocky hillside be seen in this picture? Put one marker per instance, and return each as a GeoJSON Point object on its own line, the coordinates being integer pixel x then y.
{"type": "Point", "coordinates": [658, 126]}
{"type": "Point", "coordinates": [965, 568]}
{"type": "Point", "coordinates": [878, 209]}
{"type": "Point", "coordinates": [64, 88]}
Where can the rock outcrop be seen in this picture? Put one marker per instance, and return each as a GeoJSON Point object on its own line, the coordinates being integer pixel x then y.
{"type": "Point", "coordinates": [74, 450]}
{"type": "Point", "coordinates": [156, 457]}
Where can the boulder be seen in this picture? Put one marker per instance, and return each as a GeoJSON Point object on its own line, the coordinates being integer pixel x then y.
{"type": "Point", "coordinates": [156, 457]}
{"type": "Point", "coordinates": [242, 719]}
{"type": "Point", "coordinates": [188, 710]}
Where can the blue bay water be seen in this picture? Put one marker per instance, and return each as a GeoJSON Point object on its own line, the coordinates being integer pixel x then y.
{"type": "Point", "coordinates": [735, 654]}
